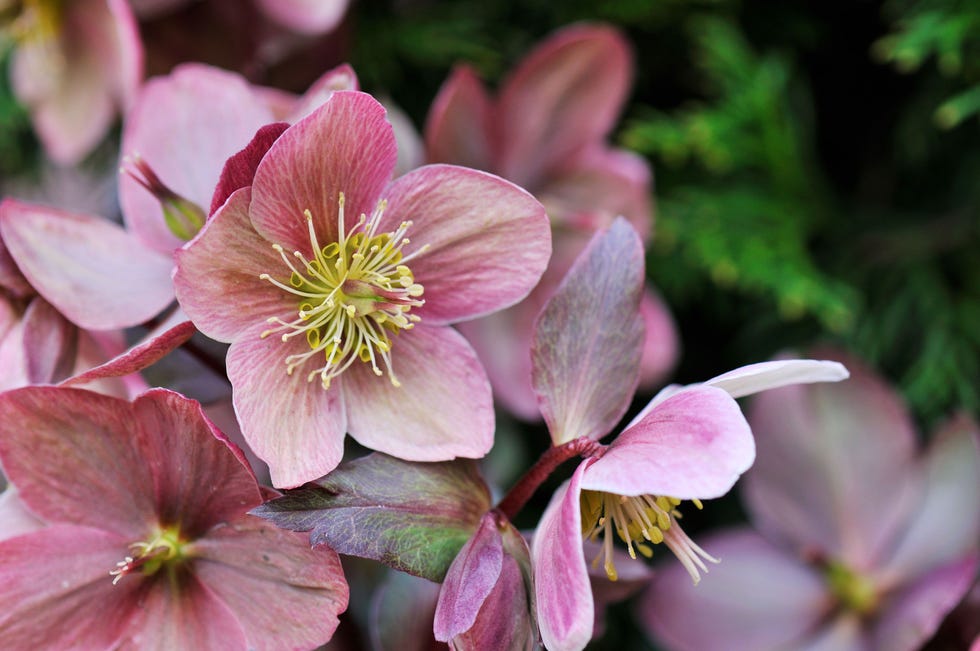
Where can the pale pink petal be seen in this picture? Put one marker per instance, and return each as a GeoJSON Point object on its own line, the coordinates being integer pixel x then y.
{"type": "Point", "coordinates": [443, 408]}
{"type": "Point", "coordinates": [488, 240]}
{"type": "Point", "coordinates": [50, 343]}
{"type": "Point", "coordinates": [93, 271]}
{"type": "Point", "coordinates": [561, 583]}
{"type": "Point", "coordinates": [411, 150]}
{"type": "Point", "coordinates": [759, 598]}
{"type": "Point", "coordinates": [693, 445]}
{"type": "Point", "coordinates": [217, 277]}
{"type": "Point", "coordinates": [125, 56]}
{"type": "Point", "coordinates": [470, 579]}
{"type": "Point", "coordinates": [56, 591]}
{"type": "Point", "coordinates": [185, 126]}
{"type": "Point", "coordinates": [945, 525]}
{"type": "Point", "coordinates": [345, 145]}
{"type": "Point", "coordinates": [565, 96]}
{"type": "Point", "coordinates": [294, 425]}
{"type": "Point", "coordinates": [912, 616]}
{"type": "Point", "coordinates": [763, 376]}
{"type": "Point", "coordinates": [305, 16]}
{"type": "Point", "coordinates": [15, 517]}
{"type": "Point", "coordinates": [13, 356]}
{"type": "Point", "coordinates": [284, 594]}
{"type": "Point", "coordinates": [661, 346]}
{"type": "Point", "coordinates": [342, 77]}
{"type": "Point", "coordinates": [583, 370]}
{"type": "Point", "coordinates": [68, 451]}
{"type": "Point", "coordinates": [836, 466]}
{"type": "Point", "coordinates": [96, 348]}
{"type": "Point", "coordinates": [459, 128]}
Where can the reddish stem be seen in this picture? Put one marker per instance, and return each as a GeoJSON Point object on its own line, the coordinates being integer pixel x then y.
{"type": "Point", "coordinates": [522, 491]}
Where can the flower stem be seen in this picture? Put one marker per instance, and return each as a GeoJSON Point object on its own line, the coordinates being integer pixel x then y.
{"type": "Point", "coordinates": [522, 491]}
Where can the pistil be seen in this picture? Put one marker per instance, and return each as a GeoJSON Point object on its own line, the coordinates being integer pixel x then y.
{"type": "Point", "coordinates": [163, 547]}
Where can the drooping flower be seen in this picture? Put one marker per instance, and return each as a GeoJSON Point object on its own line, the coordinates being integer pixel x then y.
{"type": "Point", "coordinates": [546, 131]}
{"type": "Point", "coordinates": [147, 542]}
{"type": "Point", "coordinates": [860, 543]}
{"type": "Point", "coordinates": [336, 288]}
{"type": "Point", "coordinates": [75, 65]}
{"type": "Point", "coordinates": [690, 445]}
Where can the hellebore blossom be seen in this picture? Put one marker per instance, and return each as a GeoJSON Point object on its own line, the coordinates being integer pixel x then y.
{"type": "Point", "coordinates": [688, 446]}
{"type": "Point", "coordinates": [74, 65]}
{"type": "Point", "coordinates": [336, 288]}
{"type": "Point", "coordinates": [147, 543]}
{"type": "Point", "coordinates": [546, 132]}
{"type": "Point", "coordinates": [861, 544]}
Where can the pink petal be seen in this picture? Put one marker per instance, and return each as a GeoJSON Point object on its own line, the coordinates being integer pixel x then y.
{"type": "Point", "coordinates": [13, 356]}
{"type": "Point", "coordinates": [565, 96]}
{"type": "Point", "coordinates": [693, 445]}
{"type": "Point", "coordinates": [94, 272]}
{"type": "Point", "coordinates": [442, 410]}
{"type": "Point", "coordinates": [561, 583]}
{"type": "Point", "coordinates": [342, 77]}
{"type": "Point", "coordinates": [763, 376]}
{"type": "Point", "coordinates": [284, 594]}
{"type": "Point", "coordinates": [305, 16]}
{"type": "Point", "coordinates": [758, 597]}
{"type": "Point", "coordinates": [661, 346]}
{"type": "Point", "coordinates": [470, 579]}
{"type": "Point", "coordinates": [294, 425]}
{"type": "Point", "coordinates": [346, 146]}
{"type": "Point", "coordinates": [11, 279]}
{"type": "Point", "coordinates": [15, 517]}
{"type": "Point", "coordinates": [239, 170]}
{"type": "Point", "coordinates": [56, 591]}
{"type": "Point", "coordinates": [945, 525]}
{"type": "Point", "coordinates": [71, 453]}
{"type": "Point", "coordinates": [185, 126]}
{"type": "Point", "coordinates": [221, 268]}
{"type": "Point", "coordinates": [835, 469]}
{"type": "Point", "coordinates": [50, 343]}
{"type": "Point", "coordinates": [583, 371]}
{"type": "Point", "coordinates": [458, 128]}
{"type": "Point", "coordinates": [489, 240]}
{"type": "Point", "coordinates": [504, 621]}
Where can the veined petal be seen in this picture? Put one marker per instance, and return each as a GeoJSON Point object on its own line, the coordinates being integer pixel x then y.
{"type": "Point", "coordinates": [561, 581]}
{"type": "Point", "coordinates": [693, 445]}
{"type": "Point", "coordinates": [95, 273]}
{"type": "Point", "coordinates": [294, 425]}
{"type": "Point", "coordinates": [488, 240]}
{"type": "Point", "coordinates": [459, 129]}
{"type": "Point", "coordinates": [345, 145]}
{"type": "Point", "coordinates": [443, 408]}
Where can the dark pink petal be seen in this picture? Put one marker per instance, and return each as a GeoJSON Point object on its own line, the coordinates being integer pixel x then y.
{"type": "Point", "coordinates": [945, 525]}
{"type": "Point", "coordinates": [284, 594]}
{"type": "Point", "coordinates": [56, 591]}
{"type": "Point", "coordinates": [217, 277]}
{"type": "Point", "coordinates": [239, 169]}
{"type": "Point", "coordinates": [185, 126]}
{"type": "Point", "coordinates": [342, 77]}
{"type": "Point", "coordinates": [73, 457]}
{"type": "Point", "coordinates": [565, 96]}
{"type": "Point", "coordinates": [586, 349]}
{"type": "Point", "coordinates": [138, 357]}
{"type": "Point", "coordinates": [488, 240]}
{"type": "Point", "coordinates": [294, 425]}
{"type": "Point", "coordinates": [695, 444]}
{"type": "Point", "coordinates": [504, 621]}
{"type": "Point", "coordinates": [305, 16]}
{"type": "Point", "coordinates": [836, 466]}
{"type": "Point", "coordinates": [11, 279]}
{"type": "Point", "coordinates": [661, 345]}
{"type": "Point", "coordinates": [913, 614]}
{"type": "Point", "coordinates": [458, 128]}
{"type": "Point", "coordinates": [443, 408]}
{"type": "Point", "coordinates": [93, 271]}
{"type": "Point", "coordinates": [758, 598]}
{"type": "Point", "coordinates": [50, 343]}
{"type": "Point", "coordinates": [470, 579]}
{"type": "Point", "coordinates": [200, 479]}
{"type": "Point", "coordinates": [561, 583]}
{"type": "Point", "coordinates": [15, 517]}
{"type": "Point", "coordinates": [346, 145]}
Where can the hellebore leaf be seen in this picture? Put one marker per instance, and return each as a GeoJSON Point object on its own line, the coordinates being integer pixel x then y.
{"type": "Point", "coordinates": [413, 517]}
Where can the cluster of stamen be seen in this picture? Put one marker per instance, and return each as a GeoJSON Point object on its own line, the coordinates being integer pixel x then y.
{"type": "Point", "coordinates": [352, 295]}
{"type": "Point", "coordinates": [24, 21]}
{"type": "Point", "coordinates": [638, 521]}
{"type": "Point", "coordinates": [163, 547]}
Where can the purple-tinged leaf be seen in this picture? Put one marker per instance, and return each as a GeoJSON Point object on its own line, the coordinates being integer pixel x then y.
{"type": "Point", "coordinates": [588, 339]}
{"type": "Point", "coordinates": [413, 517]}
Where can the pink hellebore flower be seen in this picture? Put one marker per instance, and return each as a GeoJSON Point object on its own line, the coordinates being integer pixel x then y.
{"type": "Point", "coordinates": [690, 445]}
{"type": "Point", "coordinates": [75, 64]}
{"type": "Point", "coordinates": [861, 543]}
{"type": "Point", "coordinates": [546, 131]}
{"type": "Point", "coordinates": [338, 321]}
{"type": "Point", "coordinates": [147, 542]}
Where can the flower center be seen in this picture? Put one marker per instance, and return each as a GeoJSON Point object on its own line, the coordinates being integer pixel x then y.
{"type": "Point", "coordinates": [163, 548]}
{"type": "Point", "coordinates": [23, 21]}
{"type": "Point", "coordinates": [855, 592]}
{"type": "Point", "coordinates": [352, 295]}
{"type": "Point", "coordinates": [637, 521]}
